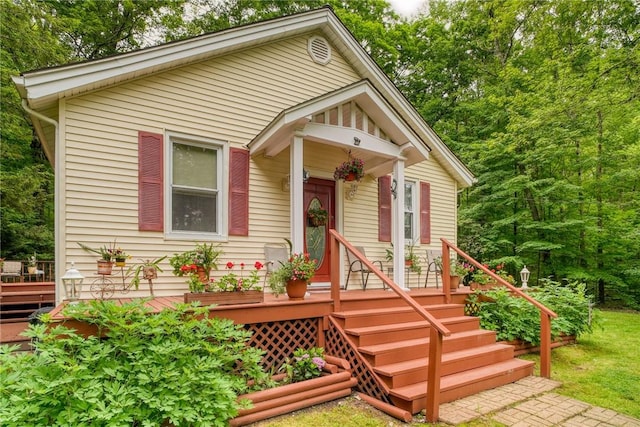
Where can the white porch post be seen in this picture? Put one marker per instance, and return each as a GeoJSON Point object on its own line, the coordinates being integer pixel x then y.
{"type": "Point", "coordinates": [397, 233]}
{"type": "Point", "coordinates": [296, 192]}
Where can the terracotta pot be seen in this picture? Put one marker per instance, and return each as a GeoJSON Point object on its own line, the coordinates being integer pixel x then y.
{"type": "Point", "coordinates": [296, 289]}
{"type": "Point", "coordinates": [454, 282]}
{"type": "Point", "coordinates": [104, 267]}
{"type": "Point", "coordinates": [202, 275]}
{"type": "Point", "coordinates": [350, 177]}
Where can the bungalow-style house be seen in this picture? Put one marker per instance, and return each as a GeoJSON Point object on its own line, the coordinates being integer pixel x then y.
{"type": "Point", "coordinates": [231, 137]}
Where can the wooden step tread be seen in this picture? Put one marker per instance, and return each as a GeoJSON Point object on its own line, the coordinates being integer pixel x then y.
{"type": "Point", "coordinates": [404, 326]}
{"type": "Point", "coordinates": [422, 362]}
{"type": "Point", "coordinates": [375, 349]}
{"type": "Point", "coordinates": [419, 390]}
{"type": "Point", "coordinates": [391, 310]}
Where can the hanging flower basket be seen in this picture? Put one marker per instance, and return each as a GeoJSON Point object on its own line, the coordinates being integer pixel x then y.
{"type": "Point", "coordinates": [317, 217]}
{"type": "Point", "coordinates": [351, 170]}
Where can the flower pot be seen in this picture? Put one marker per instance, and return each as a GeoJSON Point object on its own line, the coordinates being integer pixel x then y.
{"type": "Point", "coordinates": [225, 298]}
{"type": "Point", "coordinates": [104, 267]}
{"type": "Point", "coordinates": [296, 289]}
{"type": "Point", "coordinates": [350, 177]}
{"type": "Point", "coordinates": [121, 262]}
{"type": "Point", "coordinates": [202, 275]}
{"type": "Point", "coordinates": [454, 282]}
{"type": "Point", "coordinates": [31, 270]}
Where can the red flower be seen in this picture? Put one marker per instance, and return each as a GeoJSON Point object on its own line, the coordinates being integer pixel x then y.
{"type": "Point", "coordinates": [242, 265]}
{"type": "Point", "coordinates": [229, 265]}
{"type": "Point", "coordinates": [185, 268]}
{"type": "Point", "coordinates": [258, 265]}
{"type": "Point", "coordinates": [194, 267]}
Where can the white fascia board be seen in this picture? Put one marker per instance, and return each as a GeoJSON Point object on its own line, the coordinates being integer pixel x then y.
{"type": "Point", "coordinates": [56, 81]}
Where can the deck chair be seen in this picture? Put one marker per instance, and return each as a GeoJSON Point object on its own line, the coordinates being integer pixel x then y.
{"type": "Point", "coordinates": [274, 253]}
{"type": "Point", "coordinates": [433, 266]}
{"type": "Point", "coordinates": [12, 269]}
{"type": "Point", "coordinates": [356, 266]}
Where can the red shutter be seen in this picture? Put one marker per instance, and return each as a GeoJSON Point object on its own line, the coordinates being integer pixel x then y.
{"type": "Point", "coordinates": [384, 208]}
{"type": "Point", "coordinates": [150, 182]}
{"type": "Point", "coordinates": [425, 212]}
{"type": "Point", "coordinates": [238, 192]}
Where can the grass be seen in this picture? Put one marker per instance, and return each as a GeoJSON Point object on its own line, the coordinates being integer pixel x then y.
{"type": "Point", "coordinates": [603, 369]}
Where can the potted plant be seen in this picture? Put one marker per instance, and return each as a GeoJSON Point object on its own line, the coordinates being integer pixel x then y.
{"type": "Point", "coordinates": [120, 257]}
{"type": "Point", "coordinates": [105, 263]}
{"type": "Point", "coordinates": [232, 287]}
{"type": "Point", "coordinates": [149, 270]}
{"type": "Point", "coordinates": [198, 261]}
{"type": "Point", "coordinates": [458, 270]}
{"type": "Point", "coordinates": [293, 275]}
{"type": "Point", "coordinates": [32, 264]}
{"type": "Point", "coordinates": [317, 217]}
{"type": "Point", "coordinates": [411, 260]}
{"type": "Point", "coordinates": [351, 170]}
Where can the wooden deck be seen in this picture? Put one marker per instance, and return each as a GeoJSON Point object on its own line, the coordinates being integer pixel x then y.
{"type": "Point", "coordinates": [317, 303]}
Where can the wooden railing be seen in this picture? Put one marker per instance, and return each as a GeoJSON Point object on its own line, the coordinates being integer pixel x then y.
{"type": "Point", "coordinates": [437, 331]}
{"type": "Point", "coordinates": [545, 313]}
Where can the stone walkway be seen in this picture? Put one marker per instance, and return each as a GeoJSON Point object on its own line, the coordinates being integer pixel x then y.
{"type": "Point", "coordinates": [531, 402]}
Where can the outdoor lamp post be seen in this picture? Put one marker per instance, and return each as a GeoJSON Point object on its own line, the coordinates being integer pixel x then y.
{"type": "Point", "coordinates": [524, 276]}
{"type": "Point", "coordinates": [72, 281]}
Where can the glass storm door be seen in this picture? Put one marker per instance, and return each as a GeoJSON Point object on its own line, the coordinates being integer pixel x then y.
{"type": "Point", "coordinates": [319, 195]}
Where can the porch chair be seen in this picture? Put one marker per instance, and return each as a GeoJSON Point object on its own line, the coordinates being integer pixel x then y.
{"type": "Point", "coordinates": [274, 253]}
{"type": "Point", "coordinates": [12, 269]}
{"type": "Point", "coordinates": [356, 266]}
{"type": "Point", "coordinates": [433, 266]}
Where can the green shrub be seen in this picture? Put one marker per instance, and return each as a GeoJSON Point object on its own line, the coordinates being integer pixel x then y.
{"type": "Point", "coordinates": [514, 318]}
{"type": "Point", "coordinates": [177, 365]}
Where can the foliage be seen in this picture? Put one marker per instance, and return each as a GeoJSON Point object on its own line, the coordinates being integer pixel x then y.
{"type": "Point", "coordinates": [514, 318]}
{"type": "Point", "coordinates": [304, 365]}
{"type": "Point", "coordinates": [460, 268]}
{"type": "Point", "coordinates": [482, 278]}
{"type": "Point", "coordinates": [352, 166]}
{"type": "Point", "coordinates": [107, 253]}
{"type": "Point", "coordinates": [231, 282]}
{"type": "Point", "coordinates": [177, 366]}
{"type": "Point", "coordinates": [204, 256]}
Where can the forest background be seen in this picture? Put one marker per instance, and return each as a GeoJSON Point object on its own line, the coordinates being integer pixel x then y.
{"type": "Point", "coordinates": [541, 99]}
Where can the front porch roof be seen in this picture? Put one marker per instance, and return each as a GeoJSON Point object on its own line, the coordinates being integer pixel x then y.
{"type": "Point", "coordinates": [377, 151]}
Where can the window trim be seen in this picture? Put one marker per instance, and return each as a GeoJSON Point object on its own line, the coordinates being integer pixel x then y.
{"type": "Point", "coordinates": [415, 223]}
{"type": "Point", "coordinates": [222, 179]}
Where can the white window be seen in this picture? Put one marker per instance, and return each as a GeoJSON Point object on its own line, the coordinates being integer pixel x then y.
{"type": "Point", "coordinates": [195, 178]}
{"type": "Point", "coordinates": [410, 216]}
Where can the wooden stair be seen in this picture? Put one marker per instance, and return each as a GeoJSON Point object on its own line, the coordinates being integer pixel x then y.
{"type": "Point", "coordinates": [394, 341]}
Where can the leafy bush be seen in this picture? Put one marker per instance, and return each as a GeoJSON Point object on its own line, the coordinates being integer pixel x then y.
{"type": "Point", "coordinates": [304, 365]}
{"type": "Point", "coordinates": [176, 366]}
{"type": "Point", "coordinates": [515, 318]}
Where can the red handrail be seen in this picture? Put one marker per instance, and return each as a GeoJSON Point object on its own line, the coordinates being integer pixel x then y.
{"type": "Point", "coordinates": [437, 331]}
{"type": "Point", "coordinates": [545, 313]}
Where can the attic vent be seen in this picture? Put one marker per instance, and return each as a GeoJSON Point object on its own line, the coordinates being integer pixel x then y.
{"type": "Point", "coordinates": [319, 50]}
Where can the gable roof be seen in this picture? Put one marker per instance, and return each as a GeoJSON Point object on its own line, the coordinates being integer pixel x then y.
{"type": "Point", "coordinates": [43, 88]}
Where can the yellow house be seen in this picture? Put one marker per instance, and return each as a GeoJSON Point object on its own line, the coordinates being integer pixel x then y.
{"type": "Point", "coordinates": [231, 137]}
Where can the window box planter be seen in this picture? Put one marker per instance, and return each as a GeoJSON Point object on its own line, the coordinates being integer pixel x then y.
{"type": "Point", "coordinates": [335, 383]}
{"type": "Point", "coordinates": [225, 298]}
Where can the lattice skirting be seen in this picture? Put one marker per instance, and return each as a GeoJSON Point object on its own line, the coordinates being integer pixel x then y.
{"type": "Point", "coordinates": [280, 339]}
{"type": "Point", "coordinates": [337, 344]}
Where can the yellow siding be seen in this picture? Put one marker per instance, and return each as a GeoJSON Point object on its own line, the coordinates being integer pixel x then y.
{"type": "Point", "coordinates": [231, 98]}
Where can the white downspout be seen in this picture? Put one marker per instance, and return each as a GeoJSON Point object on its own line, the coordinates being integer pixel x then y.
{"type": "Point", "coordinates": [59, 265]}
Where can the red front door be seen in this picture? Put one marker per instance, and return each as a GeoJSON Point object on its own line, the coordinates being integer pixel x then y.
{"type": "Point", "coordinates": [319, 194]}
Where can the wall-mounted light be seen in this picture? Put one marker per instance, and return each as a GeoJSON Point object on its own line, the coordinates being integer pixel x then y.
{"type": "Point", "coordinates": [286, 181]}
{"type": "Point", "coordinates": [356, 141]}
{"type": "Point", "coordinates": [394, 188]}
